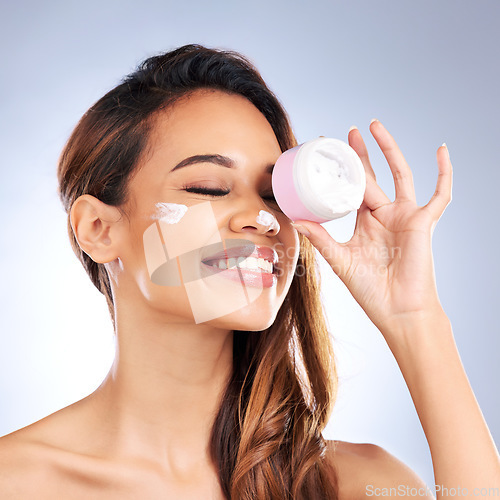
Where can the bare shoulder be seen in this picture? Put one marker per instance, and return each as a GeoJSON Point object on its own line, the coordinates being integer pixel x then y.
{"type": "Point", "coordinates": [40, 460]}
{"type": "Point", "coordinates": [58, 457]}
{"type": "Point", "coordinates": [368, 470]}
{"type": "Point", "coordinates": [23, 466]}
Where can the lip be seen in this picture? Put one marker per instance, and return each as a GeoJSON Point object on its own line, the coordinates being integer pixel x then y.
{"type": "Point", "coordinates": [257, 251]}
{"type": "Point", "coordinates": [246, 277]}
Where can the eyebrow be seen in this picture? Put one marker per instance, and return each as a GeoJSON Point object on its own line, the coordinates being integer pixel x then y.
{"type": "Point", "coordinates": [222, 161]}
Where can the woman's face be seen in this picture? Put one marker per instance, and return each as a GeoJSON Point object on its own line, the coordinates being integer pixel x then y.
{"type": "Point", "coordinates": [203, 228]}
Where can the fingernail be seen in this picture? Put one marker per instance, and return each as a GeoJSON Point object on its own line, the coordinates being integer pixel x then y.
{"type": "Point", "coordinates": [444, 144]}
{"type": "Point", "coordinates": [301, 229]}
{"type": "Point", "coordinates": [373, 120]}
{"type": "Point", "coordinates": [353, 128]}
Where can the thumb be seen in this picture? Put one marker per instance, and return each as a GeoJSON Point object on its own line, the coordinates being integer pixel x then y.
{"type": "Point", "coordinates": [336, 254]}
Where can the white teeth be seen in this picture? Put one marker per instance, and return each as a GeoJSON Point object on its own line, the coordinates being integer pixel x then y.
{"type": "Point", "coordinates": [251, 263]}
{"type": "Point", "coordinates": [266, 265]}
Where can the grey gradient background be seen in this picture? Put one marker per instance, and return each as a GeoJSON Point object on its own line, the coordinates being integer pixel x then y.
{"type": "Point", "coordinates": [428, 70]}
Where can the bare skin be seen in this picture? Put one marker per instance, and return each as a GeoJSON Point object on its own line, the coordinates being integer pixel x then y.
{"type": "Point", "coordinates": [33, 466]}
{"type": "Point", "coordinates": [144, 432]}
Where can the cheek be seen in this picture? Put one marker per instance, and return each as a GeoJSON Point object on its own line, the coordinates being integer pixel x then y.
{"type": "Point", "coordinates": [290, 239]}
{"type": "Point", "coordinates": [174, 246]}
{"type": "Point", "coordinates": [173, 241]}
{"type": "Point", "coordinates": [169, 213]}
{"type": "Point", "coordinates": [288, 253]}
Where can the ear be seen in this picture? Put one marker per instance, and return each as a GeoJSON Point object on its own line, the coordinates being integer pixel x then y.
{"type": "Point", "coordinates": [96, 227]}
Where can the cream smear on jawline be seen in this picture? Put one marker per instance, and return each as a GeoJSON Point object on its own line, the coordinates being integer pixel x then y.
{"type": "Point", "coordinates": [170, 213]}
{"type": "Point", "coordinates": [268, 220]}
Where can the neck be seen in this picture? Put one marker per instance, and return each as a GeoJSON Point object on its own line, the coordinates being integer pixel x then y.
{"type": "Point", "coordinates": [163, 391]}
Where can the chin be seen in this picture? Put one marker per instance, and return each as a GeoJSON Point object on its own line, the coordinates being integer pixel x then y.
{"type": "Point", "coordinates": [255, 325]}
{"type": "Point", "coordinates": [247, 319]}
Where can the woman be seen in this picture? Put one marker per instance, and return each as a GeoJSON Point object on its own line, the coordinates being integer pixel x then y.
{"type": "Point", "coordinates": [224, 379]}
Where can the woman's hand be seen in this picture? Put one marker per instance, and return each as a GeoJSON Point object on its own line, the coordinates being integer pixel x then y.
{"type": "Point", "coordinates": [387, 264]}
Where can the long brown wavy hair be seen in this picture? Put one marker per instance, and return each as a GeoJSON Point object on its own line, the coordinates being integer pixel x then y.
{"type": "Point", "coordinates": [266, 440]}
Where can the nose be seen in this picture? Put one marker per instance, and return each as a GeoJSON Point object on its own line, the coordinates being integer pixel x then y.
{"type": "Point", "coordinates": [255, 217]}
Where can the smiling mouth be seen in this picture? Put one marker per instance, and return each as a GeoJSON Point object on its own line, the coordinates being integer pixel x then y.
{"type": "Point", "coordinates": [255, 277]}
{"type": "Point", "coordinates": [247, 257]}
{"type": "Point", "coordinates": [256, 264]}
{"type": "Point", "coordinates": [250, 265]}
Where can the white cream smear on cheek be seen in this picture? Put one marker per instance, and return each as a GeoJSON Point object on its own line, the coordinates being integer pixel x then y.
{"type": "Point", "coordinates": [170, 213]}
{"type": "Point", "coordinates": [267, 219]}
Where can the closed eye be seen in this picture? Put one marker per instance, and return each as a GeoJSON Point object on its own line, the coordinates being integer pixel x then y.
{"type": "Point", "coordinates": [206, 191]}
{"type": "Point", "coordinates": [219, 192]}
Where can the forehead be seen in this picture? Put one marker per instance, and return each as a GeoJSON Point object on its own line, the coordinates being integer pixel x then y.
{"type": "Point", "coordinates": [211, 121]}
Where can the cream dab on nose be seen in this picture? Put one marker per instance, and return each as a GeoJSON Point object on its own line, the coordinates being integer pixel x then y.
{"type": "Point", "coordinates": [170, 213]}
{"type": "Point", "coordinates": [268, 220]}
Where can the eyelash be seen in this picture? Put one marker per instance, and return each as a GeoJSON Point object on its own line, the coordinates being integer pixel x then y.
{"type": "Point", "coordinates": [215, 192]}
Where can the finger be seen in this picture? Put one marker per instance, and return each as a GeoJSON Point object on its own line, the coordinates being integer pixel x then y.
{"type": "Point", "coordinates": [356, 142]}
{"type": "Point", "coordinates": [336, 254]}
{"type": "Point", "coordinates": [403, 178]}
{"type": "Point", "coordinates": [374, 196]}
{"type": "Point", "coordinates": [442, 195]}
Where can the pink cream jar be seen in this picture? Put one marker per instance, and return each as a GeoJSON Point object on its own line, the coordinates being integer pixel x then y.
{"type": "Point", "coordinates": [319, 180]}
